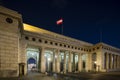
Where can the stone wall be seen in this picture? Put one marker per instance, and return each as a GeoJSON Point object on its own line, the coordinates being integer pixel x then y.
{"type": "Point", "coordinates": [9, 38]}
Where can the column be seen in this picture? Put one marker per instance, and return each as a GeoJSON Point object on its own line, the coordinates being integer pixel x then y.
{"type": "Point", "coordinates": [53, 61]}
{"type": "Point", "coordinates": [57, 61]}
{"type": "Point", "coordinates": [117, 61]}
{"type": "Point", "coordinates": [87, 63]}
{"type": "Point", "coordinates": [79, 62]}
{"type": "Point", "coordinates": [114, 61]}
{"type": "Point", "coordinates": [70, 63]}
{"type": "Point", "coordinates": [90, 64]}
{"type": "Point", "coordinates": [73, 65]}
{"type": "Point", "coordinates": [65, 62]}
{"type": "Point", "coordinates": [43, 67]}
{"type": "Point", "coordinates": [111, 61]}
{"type": "Point", "coordinates": [107, 61]}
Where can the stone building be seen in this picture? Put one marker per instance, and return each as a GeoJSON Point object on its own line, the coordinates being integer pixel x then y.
{"type": "Point", "coordinates": [24, 48]}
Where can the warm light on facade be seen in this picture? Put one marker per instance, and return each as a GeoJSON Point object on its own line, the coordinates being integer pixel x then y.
{"type": "Point", "coordinates": [95, 62]}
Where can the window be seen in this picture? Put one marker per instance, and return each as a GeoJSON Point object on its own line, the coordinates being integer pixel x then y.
{"type": "Point", "coordinates": [93, 49]}
{"type": "Point", "coordinates": [60, 44]}
{"type": "Point", "coordinates": [56, 44]}
{"type": "Point", "coordinates": [33, 39]}
{"type": "Point", "coordinates": [97, 47]}
{"type": "Point", "coordinates": [64, 45]}
{"type": "Point", "coordinates": [72, 47]}
{"type": "Point", "coordinates": [75, 47]}
{"type": "Point", "coordinates": [51, 43]}
{"type": "Point", "coordinates": [81, 49]}
{"type": "Point", "coordinates": [40, 40]}
{"type": "Point", "coordinates": [46, 41]}
{"type": "Point", "coordinates": [9, 20]}
{"type": "Point", "coordinates": [89, 50]}
{"type": "Point", "coordinates": [68, 46]}
{"type": "Point", "coordinates": [27, 38]}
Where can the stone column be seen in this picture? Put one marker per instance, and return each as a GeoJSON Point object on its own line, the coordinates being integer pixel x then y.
{"type": "Point", "coordinates": [90, 64]}
{"type": "Point", "coordinates": [70, 63]}
{"type": "Point", "coordinates": [73, 65]}
{"type": "Point", "coordinates": [107, 61]}
{"type": "Point", "coordinates": [111, 61]}
{"type": "Point", "coordinates": [54, 61]}
{"type": "Point", "coordinates": [117, 61]}
{"type": "Point", "coordinates": [79, 62]}
{"type": "Point", "coordinates": [65, 62]}
{"type": "Point", "coordinates": [114, 61]}
{"type": "Point", "coordinates": [87, 63]}
{"type": "Point", "coordinates": [43, 67]}
{"type": "Point", "coordinates": [57, 61]}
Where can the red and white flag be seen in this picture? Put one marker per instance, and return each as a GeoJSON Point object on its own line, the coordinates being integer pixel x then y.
{"type": "Point", "coordinates": [60, 21]}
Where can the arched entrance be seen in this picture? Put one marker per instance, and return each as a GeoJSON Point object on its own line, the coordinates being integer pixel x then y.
{"type": "Point", "coordinates": [61, 62]}
{"type": "Point", "coordinates": [32, 59]}
{"type": "Point", "coordinates": [49, 60]}
{"type": "Point", "coordinates": [83, 62]}
{"type": "Point", "coordinates": [94, 66]}
{"type": "Point", "coordinates": [32, 64]}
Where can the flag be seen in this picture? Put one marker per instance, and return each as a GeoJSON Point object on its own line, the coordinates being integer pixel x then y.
{"type": "Point", "coordinates": [60, 21]}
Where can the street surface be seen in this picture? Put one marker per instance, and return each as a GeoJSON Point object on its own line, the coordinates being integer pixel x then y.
{"type": "Point", "coordinates": [69, 76]}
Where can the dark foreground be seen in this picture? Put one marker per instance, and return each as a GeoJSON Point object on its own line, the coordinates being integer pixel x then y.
{"type": "Point", "coordinates": [70, 76]}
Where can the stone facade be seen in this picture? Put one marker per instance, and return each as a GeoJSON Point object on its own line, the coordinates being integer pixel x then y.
{"type": "Point", "coordinates": [54, 52]}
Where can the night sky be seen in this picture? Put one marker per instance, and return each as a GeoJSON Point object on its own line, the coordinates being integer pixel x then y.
{"type": "Point", "coordinates": [83, 19]}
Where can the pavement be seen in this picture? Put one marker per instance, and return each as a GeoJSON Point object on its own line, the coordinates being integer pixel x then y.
{"type": "Point", "coordinates": [32, 76]}
{"type": "Point", "coordinates": [68, 76]}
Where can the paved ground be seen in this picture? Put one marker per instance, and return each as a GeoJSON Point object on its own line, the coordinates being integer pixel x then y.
{"type": "Point", "coordinates": [70, 76]}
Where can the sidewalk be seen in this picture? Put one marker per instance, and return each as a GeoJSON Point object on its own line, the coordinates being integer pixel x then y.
{"type": "Point", "coordinates": [31, 76]}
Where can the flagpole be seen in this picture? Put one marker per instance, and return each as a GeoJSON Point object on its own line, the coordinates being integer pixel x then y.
{"type": "Point", "coordinates": [60, 22]}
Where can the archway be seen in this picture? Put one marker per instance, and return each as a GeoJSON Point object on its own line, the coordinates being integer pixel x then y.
{"type": "Point", "coordinates": [94, 63]}
{"type": "Point", "coordinates": [32, 59]}
{"type": "Point", "coordinates": [31, 64]}
{"type": "Point", "coordinates": [49, 60]}
{"type": "Point", "coordinates": [61, 61]}
{"type": "Point", "coordinates": [83, 62]}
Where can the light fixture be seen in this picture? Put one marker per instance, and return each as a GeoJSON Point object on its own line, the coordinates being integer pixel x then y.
{"type": "Point", "coordinates": [95, 62]}
{"type": "Point", "coordinates": [49, 59]}
{"type": "Point", "coordinates": [55, 56]}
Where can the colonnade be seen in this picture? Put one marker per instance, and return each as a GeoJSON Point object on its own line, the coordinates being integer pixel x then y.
{"type": "Point", "coordinates": [71, 62]}
{"type": "Point", "coordinates": [111, 61]}
{"type": "Point", "coordinates": [63, 61]}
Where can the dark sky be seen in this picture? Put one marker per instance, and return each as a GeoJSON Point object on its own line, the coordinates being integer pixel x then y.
{"type": "Point", "coordinates": [83, 19]}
